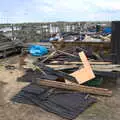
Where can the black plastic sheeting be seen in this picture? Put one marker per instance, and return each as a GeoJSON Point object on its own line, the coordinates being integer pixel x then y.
{"type": "Point", "coordinates": [67, 104]}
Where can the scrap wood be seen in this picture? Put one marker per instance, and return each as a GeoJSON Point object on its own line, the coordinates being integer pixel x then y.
{"type": "Point", "coordinates": [57, 73]}
{"type": "Point", "coordinates": [84, 74]}
{"type": "Point", "coordinates": [104, 72]}
{"type": "Point", "coordinates": [58, 54]}
{"type": "Point", "coordinates": [74, 87]}
{"type": "Point", "coordinates": [63, 67]}
{"type": "Point", "coordinates": [66, 53]}
{"type": "Point", "coordinates": [106, 38]}
{"type": "Point", "coordinates": [38, 68]}
{"type": "Point", "coordinates": [79, 63]}
{"type": "Point", "coordinates": [107, 68]}
{"type": "Point", "coordinates": [97, 56]}
{"type": "Point", "coordinates": [41, 57]}
{"type": "Point", "coordinates": [48, 57]}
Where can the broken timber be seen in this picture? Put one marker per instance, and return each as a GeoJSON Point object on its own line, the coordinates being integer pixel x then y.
{"type": "Point", "coordinates": [60, 74]}
{"type": "Point", "coordinates": [84, 74]}
{"type": "Point", "coordinates": [75, 87]}
{"type": "Point", "coordinates": [63, 67]}
{"type": "Point", "coordinates": [68, 54]}
{"type": "Point", "coordinates": [52, 54]}
{"type": "Point", "coordinates": [80, 63]}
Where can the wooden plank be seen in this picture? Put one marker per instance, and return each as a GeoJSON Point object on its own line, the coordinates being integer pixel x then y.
{"type": "Point", "coordinates": [60, 74]}
{"type": "Point", "coordinates": [106, 68]}
{"type": "Point", "coordinates": [67, 53]}
{"type": "Point", "coordinates": [84, 74]}
{"type": "Point", "coordinates": [101, 70]}
{"type": "Point", "coordinates": [74, 87]}
{"type": "Point", "coordinates": [48, 57]}
{"type": "Point", "coordinates": [62, 67]}
{"type": "Point", "coordinates": [92, 63]}
{"type": "Point", "coordinates": [111, 67]}
{"type": "Point", "coordinates": [94, 45]}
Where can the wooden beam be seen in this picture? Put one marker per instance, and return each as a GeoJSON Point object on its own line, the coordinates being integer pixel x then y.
{"type": "Point", "coordinates": [92, 63]}
{"type": "Point", "coordinates": [95, 45]}
{"type": "Point", "coordinates": [48, 57]}
{"type": "Point", "coordinates": [74, 87]}
{"type": "Point", "coordinates": [63, 67]}
{"type": "Point", "coordinates": [67, 54]}
{"type": "Point", "coordinates": [60, 74]}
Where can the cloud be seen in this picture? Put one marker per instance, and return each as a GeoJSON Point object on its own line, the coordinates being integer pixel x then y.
{"type": "Point", "coordinates": [111, 4]}
{"type": "Point", "coordinates": [59, 10]}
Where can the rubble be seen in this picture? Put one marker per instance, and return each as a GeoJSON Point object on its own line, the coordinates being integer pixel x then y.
{"type": "Point", "coordinates": [53, 77]}
{"type": "Point", "coordinates": [58, 80]}
{"type": "Point", "coordinates": [7, 46]}
{"type": "Point", "coordinates": [98, 35]}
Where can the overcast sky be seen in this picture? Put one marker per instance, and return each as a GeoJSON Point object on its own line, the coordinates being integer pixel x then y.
{"type": "Point", "coordinates": [15, 11]}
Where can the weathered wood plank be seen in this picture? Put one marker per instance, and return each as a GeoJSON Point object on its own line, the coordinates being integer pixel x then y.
{"type": "Point", "coordinates": [74, 87]}
{"type": "Point", "coordinates": [92, 63]}
{"type": "Point", "coordinates": [58, 73]}
{"type": "Point", "coordinates": [63, 67]}
{"type": "Point", "coordinates": [95, 45]}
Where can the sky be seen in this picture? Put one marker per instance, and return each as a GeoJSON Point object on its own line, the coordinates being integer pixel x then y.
{"type": "Point", "coordinates": [19, 11]}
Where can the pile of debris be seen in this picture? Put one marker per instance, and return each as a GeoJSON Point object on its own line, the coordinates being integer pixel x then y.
{"type": "Point", "coordinates": [83, 37]}
{"type": "Point", "coordinates": [8, 46]}
{"type": "Point", "coordinates": [97, 33]}
{"type": "Point", "coordinates": [61, 88]}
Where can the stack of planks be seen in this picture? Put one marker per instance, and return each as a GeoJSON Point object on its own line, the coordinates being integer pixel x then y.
{"type": "Point", "coordinates": [7, 46]}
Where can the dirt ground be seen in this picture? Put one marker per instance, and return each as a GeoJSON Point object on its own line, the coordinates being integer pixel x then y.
{"type": "Point", "coordinates": [107, 108]}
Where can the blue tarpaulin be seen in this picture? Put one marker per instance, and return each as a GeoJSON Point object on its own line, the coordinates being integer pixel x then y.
{"type": "Point", "coordinates": [107, 30]}
{"type": "Point", "coordinates": [37, 50]}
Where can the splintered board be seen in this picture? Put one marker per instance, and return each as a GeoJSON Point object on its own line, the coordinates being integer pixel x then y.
{"type": "Point", "coordinates": [84, 74]}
